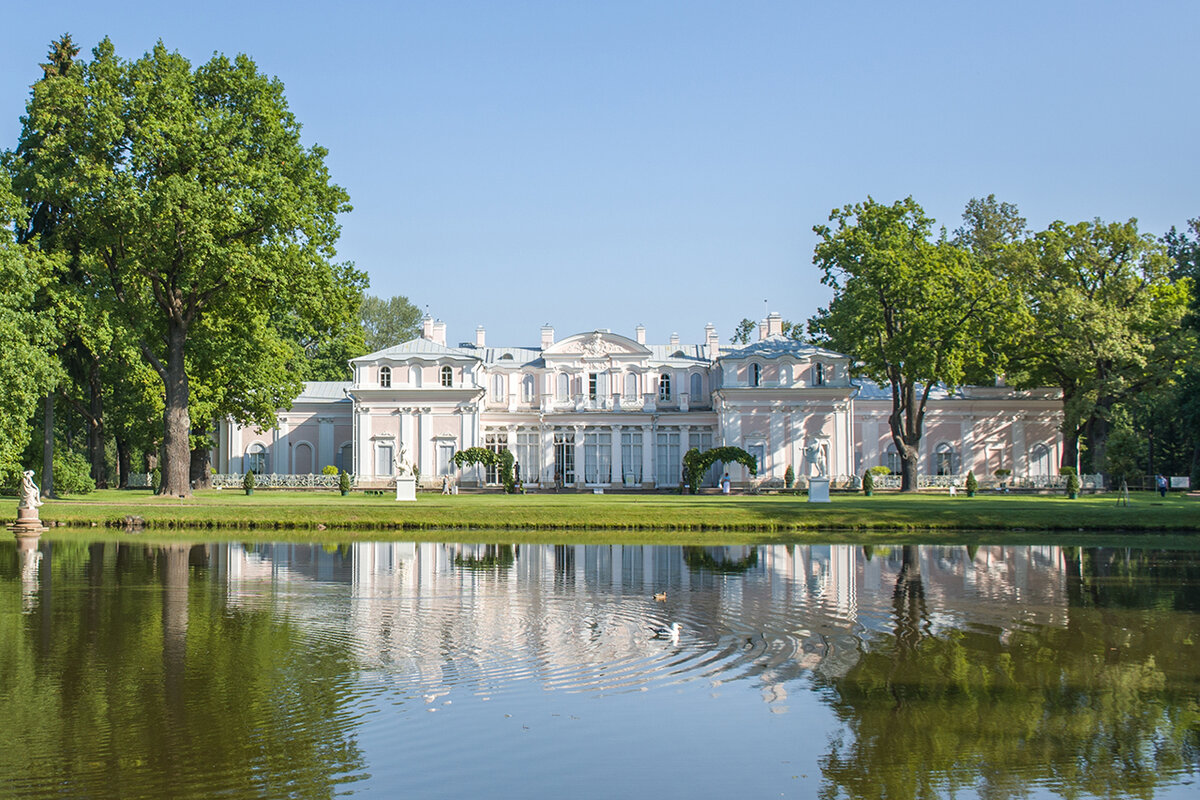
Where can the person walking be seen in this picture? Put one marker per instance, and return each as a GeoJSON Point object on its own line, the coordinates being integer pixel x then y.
{"type": "Point", "coordinates": [1161, 482]}
{"type": "Point", "coordinates": [725, 483]}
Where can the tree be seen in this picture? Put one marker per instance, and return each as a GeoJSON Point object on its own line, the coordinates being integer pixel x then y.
{"type": "Point", "coordinates": [191, 198]}
{"type": "Point", "coordinates": [911, 311]}
{"type": "Point", "coordinates": [748, 328]}
{"type": "Point", "coordinates": [1104, 323]}
{"type": "Point", "coordinates": [696, 463]}
{"type": "Point", "coordinates": [386, 323]}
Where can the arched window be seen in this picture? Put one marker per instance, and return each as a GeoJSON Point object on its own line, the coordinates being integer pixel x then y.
{"type": "Point", "coordinates": [756, 374]}
{"type": "Point", "coordinates": [447, 376]}
{"type": "Point", "coordinates": [497, 387]}
{"type": "Point", "coordinates": [385, 377]}
{"type": "Point", "coordinates": [664, 386]}
{"type": "Point", "coordinates": [944, 458]}
{"type": "Point", "coordinates": [891, 459]}
{"type": "Point", "coordinates": [562, 386]}
{"type": "Point", "coordinates": [256, 458]}
{"type": "Point", "coordinates": [527, 389]}
{"type": "Point", "coordinates": [819, 374]}
{"type": "Point", "coordinates": [1039, 460]}
{"type": "Point", "coordinates": [696, 387]}
{"type": "Point", "coordinates": [630, 384]}
{"type": "Point", "coordinates": [414, 377]}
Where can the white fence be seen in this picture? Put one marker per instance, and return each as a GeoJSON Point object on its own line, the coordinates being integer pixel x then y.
{"type": "Point", "coordinates": [1091, 482]}
{"type": "Point", "coordinates": [233, 480]}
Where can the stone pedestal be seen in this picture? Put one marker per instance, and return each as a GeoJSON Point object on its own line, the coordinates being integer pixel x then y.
{"type": "Point", "coordinates": [27, 523]}
{"type": "Point", "coordinates": [406, 489]}
{"type": "Point", "coordinates": [818, 490]}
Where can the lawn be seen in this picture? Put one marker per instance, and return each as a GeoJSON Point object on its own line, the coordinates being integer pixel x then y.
{"type": "Point", "coordinates": [776, 516]}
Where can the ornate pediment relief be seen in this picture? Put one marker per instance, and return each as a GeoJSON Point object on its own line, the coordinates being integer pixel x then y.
{"type": "Point", "coordinates": [596, 345]}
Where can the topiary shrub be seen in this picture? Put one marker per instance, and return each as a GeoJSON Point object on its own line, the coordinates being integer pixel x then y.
{"type": "Point", "coordinates": [879, 469]}
{"type": "Point", "coordinates": [1072, 485]}
{"type": "Point", "coordinates": [868, 483]}
{"type": "Point", "coordinates": [344, 483]}
{"type": "Point", "coordinates": [972, 484]}
{"type": "Point", "coordinates": [248, 482]}
{"type": "Point", "coordinates": [789, 477]}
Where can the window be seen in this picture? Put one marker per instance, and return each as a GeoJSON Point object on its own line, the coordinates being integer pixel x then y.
{"type": "Point", "coordinates": [529, 455]}
{"type": "Point", "coordinates": [564, 457]}
{"type": "Point", "coordinates": [562, 386]}
{"type": "Point", "coordinates": [944, 459]}
{"type": "Point", "coordinates": [756, 375]}
{"type": "Point", "coordinates": [256, 459]}
{"type": "Point", "coordinates": [664, 387]}
{"type": "Point", "coordinates": [597, 457]}
{"type": "Point", "coordinates": [414, 377]}
{"type": "Point", "coordinates": [527, 385]}
{"type": "Point", "coordinates": [818, 374]}
{"type": "Point", "coordinates": [759, 451]}
{"type": "Point", "coordinates": [447, 376]}
{"type": "Point", "coordinates": [383, 459]}
{"type": "Point", "coordinates": [630, 385]}
{"type": "Point", "coordinates": [891, 459]}
{"type": "Point", "coordinates": [703, 440]}
{"type": "Point", "coordinates": [385, 377]}
{"type": "Point", "coordinates": [496, 442]}
{"type": "Point", "coordinates": [593, 385]}
{"type": "Point", "coordinates": [631, 456]}
{"type": "Point", "coordinates": [1039, 460]}
{"type": "Point", "coordinates": [497, 387]}
{"type": "Point", "coordinates": [696, 389]}
{"type": "Point", "coordinates": [346, 458]}
{"type": "Point", "coordinates": [667, 470]}
{"type": "Point", "coordinates": [445, 454]}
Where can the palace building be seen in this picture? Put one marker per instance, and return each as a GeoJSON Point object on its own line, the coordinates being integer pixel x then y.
{"type": "Point", "coordinates": [600, 410]}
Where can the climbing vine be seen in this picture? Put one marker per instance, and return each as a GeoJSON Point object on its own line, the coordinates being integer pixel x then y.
{"type": "Point", "coordinates": [696, 463]}
{"type": "Point", "coordinates": [502, 460]}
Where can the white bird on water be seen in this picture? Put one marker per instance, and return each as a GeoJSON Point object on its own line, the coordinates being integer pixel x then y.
{"type": "Point", "coordinates": [671, 633]}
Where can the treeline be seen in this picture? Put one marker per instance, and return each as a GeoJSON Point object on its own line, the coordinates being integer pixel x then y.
{"type": "Point", "coordinates": [167, 260]}
{"type": "Point", "coordinates": [1108, 314]}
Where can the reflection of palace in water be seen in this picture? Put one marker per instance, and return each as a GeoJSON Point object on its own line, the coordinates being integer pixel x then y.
{"type": "Point", "coordinates": [767, 611]}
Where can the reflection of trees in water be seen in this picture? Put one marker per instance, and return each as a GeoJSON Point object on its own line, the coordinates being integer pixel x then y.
{"type": "Point", "coordinates": [486, 557]}
{"type": "Point", "coordinates": [721, 559]}
{"type": "Point", "coordinates": [134, 692]}
{"type": "Point", "coordinates": [1106, 705]}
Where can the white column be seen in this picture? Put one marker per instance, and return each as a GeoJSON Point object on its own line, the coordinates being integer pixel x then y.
{"type": "Point", "coordinates": [775, 447]}
{"type": "Point", "coordinates": [647, 453]}
{"type": "Point", "coordinates": [235, 447]}
{"type": "Point", "coordinates": [547, 453]}
{"type": "Point", "coordinates": [1020, 465]}
{"type": "Point", "coordinates": [281, 462]}
{"type": "Point", "coordinates": [968, 445]}
{"type": "Point", "coordinates": [326, 453]}
{"type": "Point", "coordinates": [366, 459]}
{"type": "Point", "coordinates": [618, 473]}
{"type": "Point", "coordinates": [579, 471]}
{"type": "Point", "coordinates": [425, 443]}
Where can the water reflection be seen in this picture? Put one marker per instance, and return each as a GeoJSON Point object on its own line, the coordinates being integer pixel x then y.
{"type": "Point", "coordinates": [295, 670]}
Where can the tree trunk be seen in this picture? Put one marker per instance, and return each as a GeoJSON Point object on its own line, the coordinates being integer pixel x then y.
{"type": "Point", "coordinates": [1098, 428]}
{"type": "Point", "coordinates": [1070, 450]}
{"type": "Point", "coordinates": [124, 462]}
{"type": "Point", "coordinates": [48, 447]}
{"type": "Point", "coordinates": [177, 426]}
{"type": "Point", "coordinates": [909, 463]}
{"type": "Point", "coordinates": [199, 472]}
{"type": "Point", "coordinates": [95, 425]}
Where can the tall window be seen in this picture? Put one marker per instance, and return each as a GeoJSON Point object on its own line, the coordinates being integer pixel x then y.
{"type": "Point", "coordinates": [529, 455]}
{"type": "Point", "coordinates": [630, 385]}
{"type": "Point", "coordinates": [414, 377]}
{"type": "Point", "coordinates": [597, 456]}
{"type": "Point", "coordinates": [756, 374]}
{"type": "Point", "coordinates": [445, 454]}
{"type": "Point", "coordinates": [564, 456]}
{"type": "Point", "coordinates": [593, 385]}
{"type": "Point", "coordinates": [527, 394]}
{"type": "Point", "coordinates": [664, 387]}
{"type": "Point", "coordinates": [383, 459]}
{"type": "Point", "coordinates": [631, 456]}
{"type": "Point", "coordinates": [497, 387]}
{"type": "Point", "coordinates": [385, 377]}
{"type": "Point", "coordinates": [944, 458]}
{"type": "Point", "coordinates": [495, 442]}
{"type": "Point", "coordinates": [1039, 460]}
{"type": "Point", "coordinates": [562, 386]}
{"type": "Point", "coordinates": [696, 388]}
{"type": "Point", "coordinates": [818, 374]}
{"type": "Point", "coordinates": [759, 451]}
{"type": "Point", "coordinates": [891, 459]}
{"type": "Point", "coordinates": [447, 376]}
{"type": "Point", "coordinates": [256, 459]}
{"type": "Point", "coordinates": [703, 440]}
{"type": "Point", "coordinates": [666, 459]}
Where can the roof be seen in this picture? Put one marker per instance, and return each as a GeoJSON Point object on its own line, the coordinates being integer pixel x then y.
{"type": "Point", "coordinates": [323, 391]}
{"type": "Point", "coordinates": [417, 347]}
{"type": "Point", "coordinates": [778, 347]}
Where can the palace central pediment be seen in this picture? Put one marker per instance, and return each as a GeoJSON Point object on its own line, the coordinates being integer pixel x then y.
{"type": "Point", "coordinates": [596, 345]}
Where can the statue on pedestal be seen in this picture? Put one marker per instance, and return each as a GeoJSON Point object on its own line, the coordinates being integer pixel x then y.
{"type": "Point", "coordinates": [815, 453]}
{"type": "Point", "coordinates": [28, 523]}
{"type": "Point", "coordinates": [31, 495]}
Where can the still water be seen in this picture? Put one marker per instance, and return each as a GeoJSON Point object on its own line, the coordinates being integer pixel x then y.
{"type": "Point", "coordinates": [455, 670]}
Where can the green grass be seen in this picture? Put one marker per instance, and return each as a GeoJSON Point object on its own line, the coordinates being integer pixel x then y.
{"type": "Point", "coordinates": [757, 518]}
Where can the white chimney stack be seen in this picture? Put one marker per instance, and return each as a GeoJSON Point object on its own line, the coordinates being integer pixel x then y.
{"type": "Point", "coordinates": [711, 339]}
{"type": "Point", "coordinates": [774, 324]}
{"type": "Point", "coordinates": [639, 333]}
{"type": "Point", "coordinates": [547, 336]}
{"type": "Point", "coordinates": [439, 333]}
{"type": "Point", "coordinates": [427, 327]}
{"type": "Point", "coordinates": [480, 336]}
{"type": "Point", "coordinates": [674, 340]}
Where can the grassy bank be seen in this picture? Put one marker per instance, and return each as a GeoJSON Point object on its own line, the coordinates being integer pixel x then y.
{"type": "Point", "coordinates": [301, 511]}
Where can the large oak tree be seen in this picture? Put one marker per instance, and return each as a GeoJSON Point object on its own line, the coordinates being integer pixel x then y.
{"type": "Point", "coordinates": [195, 206]}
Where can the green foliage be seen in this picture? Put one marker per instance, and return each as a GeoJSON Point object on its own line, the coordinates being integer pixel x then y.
{"type": "Point", "coordinates": [1072, 484]}
{"type": "Point", "coordinates": [1125, 451]}
{"type": "Point", "coordinates": [696, 463]}
{"type": "Point", "coordinates": [329, 469]}
{"type": "Point", "coordinates": [502, 460]}
{"type": "Point", "coordinates": [72, 473]}
{"type": "Point", "coordinates": [344, 481]}
{"type": "Point", "coordinates": [789, 476]}
{"type": "Point", "coordinates": [879, 469]}
{"type": "Point", "coordinates": [248, 480]}
{"type": "Point", "coordinates": [386, 323]}
{"type": "Point", "coordinates": [1067, 471]}
{"type": "Point", "coordinates": [913, 312]}
{"type": "Point", "coordinates": [972, 483]}
{"type": "Point", "coordinates": [1002, 473]}
{"type": "Point", "coordinates": [868, 482]}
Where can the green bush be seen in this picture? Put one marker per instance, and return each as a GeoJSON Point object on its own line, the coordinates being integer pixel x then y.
{"type": "Point", "coordinates": [248, 481]}
{"type": "Point", "coordinates": [329, 469]}
{"type": "Point", "coordinates": [789, 476]}
{"type": "Point", "coordinates": [972, 484]}
{"type": "Point", "coordinates": [1066, 471]}
{"type": "Point", "coordinates": [1072, 484]}
{"type": "Point", "coordinates": [72, 473]}
{"type": "Point", "coordinates": [868, 482]}
{"type": "Point", "coordinates": [344, 482]}
{"type": "Point", "coordinates": [879, 469]}
{"type": "Point", "coordinates": [156, 479]}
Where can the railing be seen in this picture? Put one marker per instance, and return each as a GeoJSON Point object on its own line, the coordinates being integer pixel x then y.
{"type": "Point", "coordinates": [233, 480]}
{"type": "Point", "coordinates": [1011, 482]}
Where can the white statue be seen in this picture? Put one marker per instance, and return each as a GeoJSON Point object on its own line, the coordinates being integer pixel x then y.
{"type": "Point", "coordinates": [815, 451]}
{"type": "Point", "coordinates": [400, 466]}
{"type": "Point", "coordinates": [31, 495]}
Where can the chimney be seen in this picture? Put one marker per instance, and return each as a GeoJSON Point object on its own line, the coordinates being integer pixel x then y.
{"type": "Point", "coordinates": [439, 333]}
{"type": "Point", "coordinates": [639, 333]}
{"type": "Point", "coordinates": [480, 336]}
{"type": "Point", "coordinates": [427, 327]}
{"type": "Point", "coordinates": [774, 324]}
{"type": "Point", "coordinates": [674, 340]}
{"type": "Point", "coordinates": [710, 339]}
{"type": "Point", "coordinates": [547, 336]}
{"type": "Point", "coordinates": [762, 329]}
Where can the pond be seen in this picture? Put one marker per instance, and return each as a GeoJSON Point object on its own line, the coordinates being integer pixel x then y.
{"type": "Point", "coordinates": [132, 669]}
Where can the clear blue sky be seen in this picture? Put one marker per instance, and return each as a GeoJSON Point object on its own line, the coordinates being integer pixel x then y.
{"type": "Point", "coordinates": [601, 164]}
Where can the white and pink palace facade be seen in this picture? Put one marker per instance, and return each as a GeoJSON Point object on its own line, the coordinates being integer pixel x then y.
{"type": "Point", "coordinates": [601, 410]}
